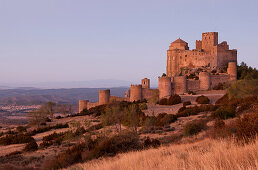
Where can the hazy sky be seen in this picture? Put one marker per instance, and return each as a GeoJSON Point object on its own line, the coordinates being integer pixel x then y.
{"type": "Point", "coordinates": [78, 40]}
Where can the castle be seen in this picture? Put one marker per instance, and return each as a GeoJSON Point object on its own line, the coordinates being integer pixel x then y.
{"type": "Point", "coordinates": [187, 70]}
{"type": "Point", "coordinates": [208, 53]}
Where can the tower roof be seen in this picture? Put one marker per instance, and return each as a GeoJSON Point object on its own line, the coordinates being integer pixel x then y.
{"type": "Point", "coordinates": [179, 40]}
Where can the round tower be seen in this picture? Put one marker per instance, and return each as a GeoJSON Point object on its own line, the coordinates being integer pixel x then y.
{"type": "Point", "coordinates": [135, 93]}
{"type": "Point", "coordinates": [104, 96]}
{"type": "Point", "coordinates": [205, 80]}
{"type": "Point", "coordinates": [232, 70]}
{"type": "Point", "coordinates": [82, 105]}
{"type": "Point", "coordinates": [180, 85]}
{"type": "Point", "coordinates": [164, 87]}
{"type": "Point", "coordinates": [146, 83]}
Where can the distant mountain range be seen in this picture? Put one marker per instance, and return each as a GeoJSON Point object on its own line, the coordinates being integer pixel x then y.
{"type": "Point", "coordinates": [106, 83]}
{"type": "Point", "coordinates": [29, 96]}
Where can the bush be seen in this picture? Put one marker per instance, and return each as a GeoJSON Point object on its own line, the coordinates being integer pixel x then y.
{"type": "Point", "coordinates": [208, 107]}
{"type": "Point", "coordinates": [151, 143]}
{"type": "Point", "coordinates": [43, 124]}
{"type": "Point", "coordinates": [224, 112]}
{"type": "Point", "coordinates": [15, 139]}
{"type": "Point", "coordinates": [223, 100]}
{"type": "Point", "coordinates": [143, 106]}
{"type": "Point", "coordinates": [247, 127]}
{"type": "Point", "coordinates": [164, 119]}
{"type": "Point", "coordinates": [31, 146]}
{"type": "Point", "coordinates": [243, 88]}
{"type": "Point", "coordinates": [202, 100]}
{"type": "Point", "coordinates": [172, 100]}
{"type": "Point", "coordinates": [59, 117]}
{"type": "Point", "coordinates": [186, 103]}
{"type": "Point", "coordinates": [45, 129]}
{"type": "Point", "coordinates": [163, 101]}
{"type": "Point", "coordinates": [191, 93]}
{"type": "Point", "coordinates": [219, 86]}
{"type": "Point", "coordinates": [90, 149]}
{"type": "Point", "coordinates": [21, 129]}
{"type": "Point", "coordinates": [194, 127]}
{"type": "Point", "coordinates": [185, 112]}
{"type": "Point", "coordinates": [219, 130]}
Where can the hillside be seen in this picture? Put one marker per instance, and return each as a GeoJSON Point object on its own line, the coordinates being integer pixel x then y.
{"type": "Point", "coordinates": [212, 154]}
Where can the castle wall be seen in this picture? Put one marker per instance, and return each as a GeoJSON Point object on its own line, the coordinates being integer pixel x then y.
{"type": "Point", "coordinates": [225, 56]}
{"type": "Point", "coordinates": [193, 85]}
{"type": "Point", "coordinates": [216, 79]}
{"type": "Point", "coordinates": [147, 93]}
{"type": "Point", "coordinates": [118, 99]}
{"type": "Point", "coordinates": [180, 85]}
{"type": "Point", "coordinates": [90, 105]}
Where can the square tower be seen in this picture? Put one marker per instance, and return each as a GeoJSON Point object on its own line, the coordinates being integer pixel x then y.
{"type": "Point", "coordinates": [209, 40]}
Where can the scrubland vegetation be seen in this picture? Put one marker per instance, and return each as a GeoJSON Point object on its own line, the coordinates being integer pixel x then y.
{"type": "Point", "coordinates": [207, 154]}
{"type": "Point", "coordinates": [200, 135]}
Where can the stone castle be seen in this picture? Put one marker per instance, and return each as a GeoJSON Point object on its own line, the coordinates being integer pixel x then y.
{"type": "Point", "coordinates": [187, 70]}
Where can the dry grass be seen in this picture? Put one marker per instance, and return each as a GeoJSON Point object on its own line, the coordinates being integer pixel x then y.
{"type": "Point", "coordinates": [204, 155]}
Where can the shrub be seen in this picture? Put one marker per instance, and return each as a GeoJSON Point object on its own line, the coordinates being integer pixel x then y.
{"type": "Point", "coordinates": [191, 93]}
{"type": "Point", "coordinates": [181, 109]}
{"type": "Point", "coordinates": [164, 119]}
{"type": "Point", "coordinates": [143, 106]}
{"type": "Point", "coordinates": [202, 100]}
{"type": "Point", "coordinates": [219, 130]}
{"type": "Point", "coordinates": [44, 129]}
{"type": "Point", "coordinates": [174, 99]}
{"type": "Point", "coordinates": [186, 103]}
{"type": "Point", "coordinates": [223, 100]}
{"type": "Point", "coordinates": [194, 127]}
{"type": "Point", "coordinates": [90, 149]}
{"type": "Point", "coordinates": [247, 127]}
{"type": "Point", "coordinates": [151, 143]}
{"type": "Point", "coordinates": [31, 146]}
{"type": "Point", "coordinates": [43, 124]}
{"type": "Point", "coordinates": [163, 101]}
{"type": "Point", "coordinates": [246, 103]}
{"type": "Point", "coordinates": [208, 107]}
{"type": "Point", "coordinates": [59, 117]}
{"type": "Point", "coordinates": [185, 112]}
{"type": "Point", "coordinates": [243, 88]}
{"type": "Point", "coordinates": [47, 119]}
{"type": "Point", "coordinates": [224, 112]}
{"type": "Point", "coordinates": [21, 129]}
{"type": "Point", "coordinates": [15, 139]}
{"type": "Point", "coordinates": [219, 86]}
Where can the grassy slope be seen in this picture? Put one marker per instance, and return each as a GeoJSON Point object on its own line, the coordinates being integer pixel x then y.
{"type": "Point", "coordinates": [206, 154]}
